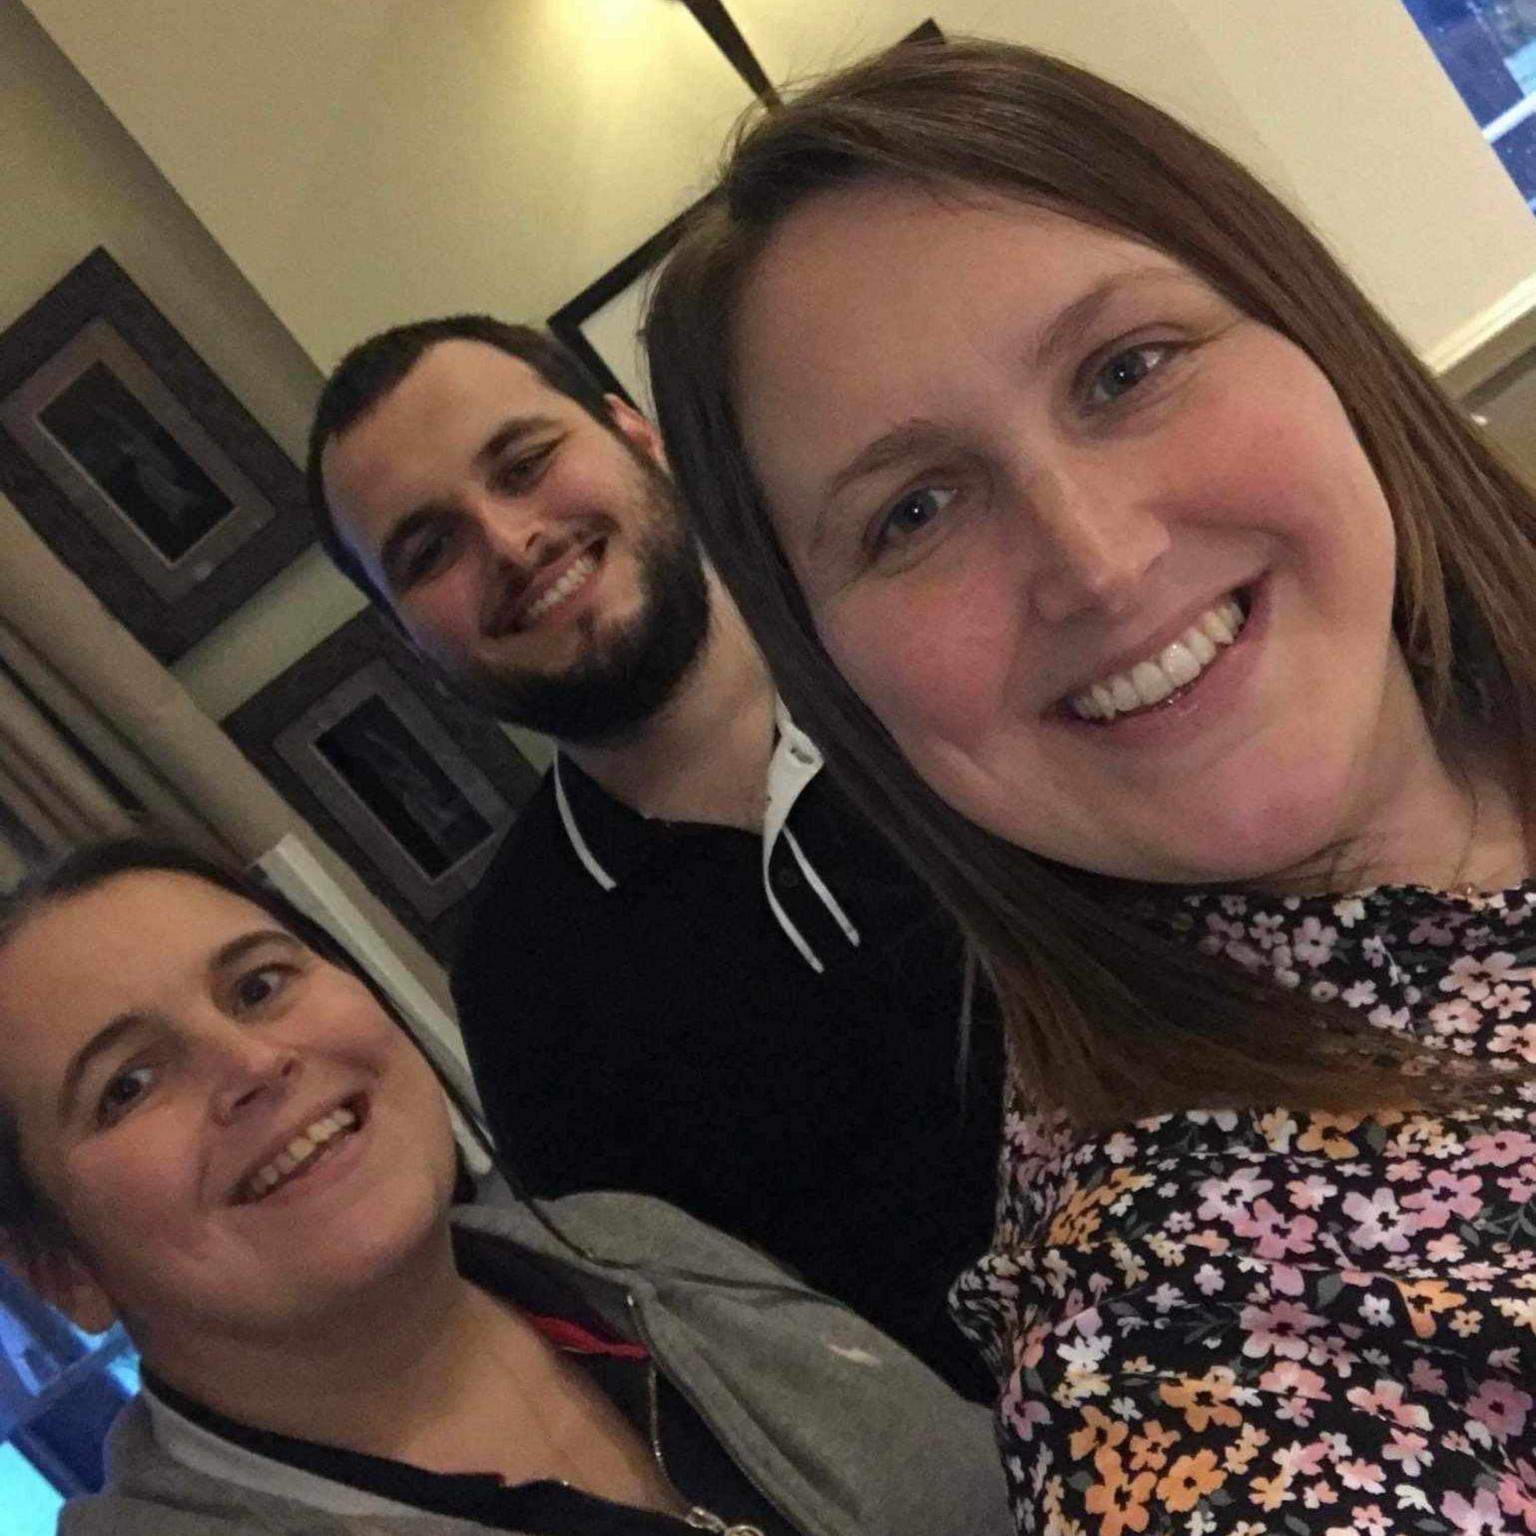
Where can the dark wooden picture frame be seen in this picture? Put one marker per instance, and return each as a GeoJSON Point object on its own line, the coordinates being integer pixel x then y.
{"type": "Point", "coordinates": [624, 283]}
{"type": "Point", "coordinates": [406, 781]}
{"type": "Point", "coordinates": [145, 474]}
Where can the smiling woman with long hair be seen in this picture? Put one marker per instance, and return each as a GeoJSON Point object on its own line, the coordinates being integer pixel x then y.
{"type": "Point", "coordinates": [212, 1126]}
{"type": "Point", "coordinates": [1142, 586]}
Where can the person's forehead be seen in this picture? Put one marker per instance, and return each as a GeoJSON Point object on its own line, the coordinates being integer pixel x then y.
{"type": "Point", "coordinates": [428, 428]}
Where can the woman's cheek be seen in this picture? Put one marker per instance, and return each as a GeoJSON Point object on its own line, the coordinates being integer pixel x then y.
{"type": "Point", "coordinates": [929, 661]}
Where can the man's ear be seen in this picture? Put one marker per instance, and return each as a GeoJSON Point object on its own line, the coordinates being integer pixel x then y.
{"type": "Point", "coordinates": [637, 429]}
{"type": "Point", "coordinates": [63, 1282]}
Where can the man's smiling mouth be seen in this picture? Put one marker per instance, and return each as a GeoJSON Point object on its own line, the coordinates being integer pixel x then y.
{"type": "Point", "coordinates": [1166, 673]}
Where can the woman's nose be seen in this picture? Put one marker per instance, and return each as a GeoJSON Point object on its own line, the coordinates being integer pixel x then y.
{"type": "Point", "coordinates": [1096, 539]}
{"type": "Point", "coordinates": [249, 1068]}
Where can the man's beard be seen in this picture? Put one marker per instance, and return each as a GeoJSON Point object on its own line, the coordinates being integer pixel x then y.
{"type": "Point", "coordinates": [626, 676]}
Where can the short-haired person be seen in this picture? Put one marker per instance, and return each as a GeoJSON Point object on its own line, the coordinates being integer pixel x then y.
{"type": "Point", "coordinates": [1144, 586]}
{"type": "Point", "coordinates": [693, 971]}
{"type": "Point", "coordinates": [217, 1131]}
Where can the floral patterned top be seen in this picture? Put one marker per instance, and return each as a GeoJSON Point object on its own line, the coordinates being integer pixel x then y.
{"type": "Point", "coordinates": [1247, 1322]}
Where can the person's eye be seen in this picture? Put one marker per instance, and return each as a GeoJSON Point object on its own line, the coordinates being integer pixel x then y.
{"type": "Point", "coordinates": [422, 559]}
{"type": "Point", "coordinates": [258, 987]}
{"type": "Point", "coordinates": [909, 516]}
{"type": "Point", "coordinates": [521, 470]}
{"type": "Point", "coordinates": [122, 1092]}
{"type": "Point", "coordinates": [1125, 371]}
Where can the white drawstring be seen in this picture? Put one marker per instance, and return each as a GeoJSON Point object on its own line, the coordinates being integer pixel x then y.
{"type": "Point", "coordinates": [578, 842]}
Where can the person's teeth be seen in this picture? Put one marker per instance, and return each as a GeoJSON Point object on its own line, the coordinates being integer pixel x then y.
{"type": "Point", "coordinates": [1175, 666]}
{"type": "Point", "coordinates": [1216, 626]}
{"type": "Point", "coordinates": [1150, 682]}
{"type": "Point", "coordinates": [1179, 664]}
{"type": "Point", "coordinates": [562, 589]}
{"type": "Point", "coordinates": [1123, 692]}
{"type": "Point", "coordinates": [1200, 644]}
{"type": "Point", "coordinates": [299, 1151]}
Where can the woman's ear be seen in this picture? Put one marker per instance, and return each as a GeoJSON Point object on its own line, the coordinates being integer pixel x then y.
{"type": "Point", "coordinates": [638, 430]}
{"type": "Point", "coordinates": [63, 1282]}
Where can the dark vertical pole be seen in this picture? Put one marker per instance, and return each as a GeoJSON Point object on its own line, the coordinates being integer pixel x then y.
{"type": "Point", "coordinates": [726, 36]}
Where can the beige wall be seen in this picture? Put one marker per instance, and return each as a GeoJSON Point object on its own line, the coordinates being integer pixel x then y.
{"type": "Point", "coordinates": [74, 180]}
{"type": "Point", "coordinates": [371, 162]}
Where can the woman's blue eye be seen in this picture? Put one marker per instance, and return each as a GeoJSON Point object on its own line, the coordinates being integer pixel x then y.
{"type": "Point", "coordinates": [913, 513]}
{"type": "Point", "coordinates": [121, 1093]}
{"type": "Point", "coordinates": [1124, 371]}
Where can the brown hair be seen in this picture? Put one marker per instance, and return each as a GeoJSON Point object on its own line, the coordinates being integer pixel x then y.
{"type": "Point", "coordinates": [1107, 1019]}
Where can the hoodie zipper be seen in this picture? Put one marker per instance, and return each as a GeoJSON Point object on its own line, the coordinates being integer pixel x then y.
{"type": "Point", "coordinates": [697, 1518]}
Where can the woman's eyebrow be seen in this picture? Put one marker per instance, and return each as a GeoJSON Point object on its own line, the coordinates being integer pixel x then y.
{"type": "Point", "coordinates": [1062, 333]}
{"type": "Point", "coordinates": [111, 1034]}
{"type": "Point", "coordinates": [231, 954]}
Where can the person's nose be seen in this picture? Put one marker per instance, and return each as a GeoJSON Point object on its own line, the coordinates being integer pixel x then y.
{"type": "Point", "coordinates": [514, 532]}
{"type": "Point", "coordinates": [248, 1069]}
{"type": "Point", "coordinates": [1097, 538]}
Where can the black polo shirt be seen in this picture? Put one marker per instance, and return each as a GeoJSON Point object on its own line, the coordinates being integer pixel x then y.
{"type": "Point", "coordinates": [638, 1017]}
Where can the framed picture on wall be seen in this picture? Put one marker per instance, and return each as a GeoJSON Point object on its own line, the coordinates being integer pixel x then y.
{"type": "Point", "coordinates": [132, 459]}
{"type": "Point", "coordinates": [409, 784]}
{"type": "Point", "coordinates": [601, 325]}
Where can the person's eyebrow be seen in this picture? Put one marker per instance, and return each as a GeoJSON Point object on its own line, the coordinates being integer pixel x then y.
{"type": "Point", "coordinates": [110, 1035]}
{"type": "Point", "coordinates": [910, 438]}
{"type": "Point", "coordinates": [513, 431]}
{"type": "Point", "coordinates": [126, 1024]}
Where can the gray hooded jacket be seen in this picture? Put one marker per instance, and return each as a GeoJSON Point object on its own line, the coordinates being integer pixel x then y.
{"type": "Point", "coordinates": [842, 1430]}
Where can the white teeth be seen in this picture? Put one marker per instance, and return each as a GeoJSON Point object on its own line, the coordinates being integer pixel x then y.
{"type": "Point", "coordinates": [575, 577]}
{"type": "Point", "coordinates": [299, 1152]}
{"type": "Point", "coordinates": [1175, 666]}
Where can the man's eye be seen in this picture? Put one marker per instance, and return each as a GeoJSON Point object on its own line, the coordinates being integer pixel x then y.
{"type": "Point", "coordinates": [120, 1095]}
{"type": "Point", "coordinates": [912, 514]}
{"type": "Point", "coordinates": [1125, 370]}
{"type": "Point", "coordinates": [260, 986]}
{"type": "Point", "coordinates": [514, 473]}
{"type": "Point", "coordinates": [422, 558]}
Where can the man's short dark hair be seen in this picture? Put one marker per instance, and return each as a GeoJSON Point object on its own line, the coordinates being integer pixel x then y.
{"type": "Point", "coordinates": [374, 367]}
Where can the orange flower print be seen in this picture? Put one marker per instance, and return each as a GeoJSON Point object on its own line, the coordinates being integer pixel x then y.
{"type": "Point", "coordinates": [1424, 1299]}
{"type": "Point", "coordinates": [1097, 1432]}
{"type": "Point", "coordinates": [1189, 1479]}
{"type": "Point", "coordinates": [1325, 1134]}
{"type": "Point", "coordinates": [1150, 1447]}
{"type": "Point", "coordinates": [1205, 1400]}
{"type": "Point", "coordinates": [1119, 1501]}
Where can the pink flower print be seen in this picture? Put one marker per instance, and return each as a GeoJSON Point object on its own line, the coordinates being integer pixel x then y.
{"type": "Point", "coordinates": [1313, 944]}
{"type": "Point", "coordinates": [1475, 979]}
{"type": "Point", "coordinates": [1460, 1016]}
{"type": "Point", "coordinates": [1369, 1520]}
{"type": "Point", "coordinates": [1385, 1401]}
{"type": "Point", "coordinates": [1386, 1017]}
{"type": "Point", "coordinates": [1425, 1377]}
{"type": "Point", "coordinates": [1431, 930]}
{"type": "Point", "coordinates": [1279, 1329]}
{"type": "Point", "coordinates": [1023, 1414]}
{"type": "Point", "coordinates": [1267, 929]}
{"type": "Point", "coordinates": [1517, 1038]}
{"type": "Point", "coordinates": [1227, 1199]}
{"type": "Point", "coordinates": [1209, 1279]}
{"type": "Point", "coordinates": [1410, 1450]}
{"type": "Point", "coordinates": [1361, 1476]}
{"type": "Point", "coordinates": [1480, 1517]}
{"type": "Point", "coordinates": [1349, 910]}
{"type": "Point", "coordinates": [1445, 1249]}
{"type": "Point", "coordinates": [1508, 999]}
{"type": "Point", "coordinates": [1501, 1406]}
{"type": "Point", "coordinates": [1499, 1149]}
{"type": "Point", "coordinates": [1378, 1221]}
{"type": "Point", "coordinates": [1515, 1495]}
{"type": "Point", "coordinates": [1310, 1193]}
{"type": "Point", "coordinates": [1277, 1235]}
{"type": "Point", "coordinates": [1297, 1388]}
{"type": "Point", "coordinates": [1445, 1196]}
{"type": "Point", "coordinates": [1362, 994]}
